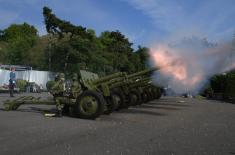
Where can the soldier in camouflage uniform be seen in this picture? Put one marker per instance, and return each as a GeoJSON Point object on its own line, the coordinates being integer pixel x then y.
{"type": "Point", "coordinates": [76, 88]}
{"type": "Point", "coordinates": [57, 91]}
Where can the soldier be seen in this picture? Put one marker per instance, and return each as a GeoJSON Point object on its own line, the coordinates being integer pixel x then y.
{"type": "Point", "coordinates": [57, 91]}
{"type": "Point", "coordinates": [12, 82]}
{"type": "Point", "coordinates": [76, 86]}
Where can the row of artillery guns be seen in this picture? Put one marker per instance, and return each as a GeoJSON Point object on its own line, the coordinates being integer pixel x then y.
{"type": "Point", "coordinates": [102, 95]}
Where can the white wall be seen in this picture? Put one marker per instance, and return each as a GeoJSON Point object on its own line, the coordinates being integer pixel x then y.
{"type": "Point", "coordinates": [4, 77]}
{"type": "Point", "coordinates": [39, 77]}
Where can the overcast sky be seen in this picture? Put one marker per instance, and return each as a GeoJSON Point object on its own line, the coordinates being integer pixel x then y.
{"type": "Point", "coordinates": [142, 21]}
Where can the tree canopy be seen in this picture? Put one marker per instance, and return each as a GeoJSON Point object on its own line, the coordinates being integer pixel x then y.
{"type": "Point", "coordinates": [68, 48]}
{"type": "Point", "coordinates": [18, 39]}
{"type": "Point", "coordinates": [78, 47]}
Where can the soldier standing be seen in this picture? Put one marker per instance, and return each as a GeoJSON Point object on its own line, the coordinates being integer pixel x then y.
{"type": "Point", "coordinates": [12, 82]}
{"type": "Point", "coordinates": [57, 91]}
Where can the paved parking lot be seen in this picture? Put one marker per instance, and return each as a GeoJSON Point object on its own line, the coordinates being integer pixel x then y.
{"type": "Point", "coordinates": [167, 126]}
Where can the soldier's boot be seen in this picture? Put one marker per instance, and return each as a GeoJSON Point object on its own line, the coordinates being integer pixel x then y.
{"type": "Point", "coordinates": [59, 108]}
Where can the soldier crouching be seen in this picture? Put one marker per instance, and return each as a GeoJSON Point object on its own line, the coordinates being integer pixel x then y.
{"type": "Point", "coordinates": [57, 91]}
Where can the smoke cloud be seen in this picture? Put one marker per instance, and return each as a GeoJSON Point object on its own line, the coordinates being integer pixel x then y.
{"type": "Point", "coordinates": [187, 65]}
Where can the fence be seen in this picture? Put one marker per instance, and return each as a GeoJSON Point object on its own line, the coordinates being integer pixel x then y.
{"type": "Point", "coordinates": [39, 77]}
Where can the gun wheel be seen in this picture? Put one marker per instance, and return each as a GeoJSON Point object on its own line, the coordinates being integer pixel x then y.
{"type": "Point", "coordinates": [110, 102]}
{"type": "Point", "coordinates": [115, 101]}
{"type": "Point", "coordinates": [89, 105]}
{"type": "Point", "coordinates": [158, 93]}
{"type": "Point", "coordinates": [119, 99]}
{"type": "Point", "coordinates": [144, 97]}
{"type": "Point", "coordinates": [134, 98]}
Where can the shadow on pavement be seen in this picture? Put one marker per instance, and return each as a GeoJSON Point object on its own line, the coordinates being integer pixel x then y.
{"type": "Point", "coordinates": [43, 111]}
{"type": "Point", "coordinates": [4, 96]}
{"type": "Point", "coordinates": [138, 111]}
{"type": "Point", "coordinates": [37, 110]}
{"type": "Point", "coordinates": [2, 109]}
{"type": "Point", "coordinates": [33, 109]}
{"type": "Point", "coordinates": [158, 107]}
{"type": "Point", "coordinates": [168, 104]}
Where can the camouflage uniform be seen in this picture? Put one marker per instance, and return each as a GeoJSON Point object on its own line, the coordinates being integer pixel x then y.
{"type": "Point", "coordinates": [76, 88]}
{"type": "Point", "coordinates": [57, 91]}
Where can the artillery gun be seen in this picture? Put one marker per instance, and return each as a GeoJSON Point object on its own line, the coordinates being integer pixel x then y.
{"type": "Point", "coordinates": [114, 88]}
{"type": "Point", "coordinates": [88, 104]}
{"type": "Point", "coordinates": [98, 95]}
{"type": "Point", "coordinates": [119, 89]}
{"type": "Point", "coordinates": [125, 88]}
{"type": "Point", "coordinates": [142, 90]}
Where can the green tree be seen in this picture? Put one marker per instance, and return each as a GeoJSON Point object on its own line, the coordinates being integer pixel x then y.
{"type": "Point", "coordinates": [3, 52]}
{"type": "Point", "coordinates": [1, 35]}
{"type": "Point", "coordinates": [37, 54]}
{"type": "Point", "coordinates": [73, 44]}
{"type": "Point", "coordinates": [142, 54]}
{"type": "Point", "coordinates": [78, 46]}
{"type": "Point", "coordinates": [20, 38]}
{"type": "Point", "coordinates": [55, 25]}
{"type": "Point", "coordinates": [118, 50]}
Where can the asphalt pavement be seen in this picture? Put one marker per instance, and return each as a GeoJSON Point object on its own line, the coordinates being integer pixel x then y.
{"type": "Point", "coordinates": [169, 126]}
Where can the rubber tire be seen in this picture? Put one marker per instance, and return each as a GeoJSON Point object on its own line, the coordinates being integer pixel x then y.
{"type": "Point", "coordinates": [159, 94]}
{"type": "Point", "coordinates": [141, 101]}
{"type": "Point", "coordinates": [151, 95]}
{"type": "Point", "coordinates": [138, 95]}
{"type": "Point", "coordinates": [100, 109]}
{"type": "Point", "coordinates": [110, 105]}
{"type": "Point", "coordinates": [123, 103]}
{"type": "Point", "coordinates": [144, 97]}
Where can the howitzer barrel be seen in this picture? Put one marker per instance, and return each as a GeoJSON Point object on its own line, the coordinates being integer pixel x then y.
{"type": "Point", "coordinates": [142, 83]}
{"type": "Point", "coordinates": [120, 84]}
{"type": "Point", "coordinates": [139, 81]}
{"type": "Point", "coordinates": [142, 79]}
{"type": "Point", "coordinates": [142, 73]}
{"type": "Point", "coordinates": [109, 77]}
{"type": "Point", "coordinates": [130, 82]}
{"type": "Point", "coordinates": [115, 80]}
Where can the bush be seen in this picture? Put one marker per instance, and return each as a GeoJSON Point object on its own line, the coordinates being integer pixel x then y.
{"type": "Point", "coordinates": [224, 84]}
{"type": "Point", "coordinates": [49, 85]}
{"type": "Point", "coordinates": [21, 84]}
{"type": "Point", "coordinates": [208, 92]}
{"type": "Point", "coordinates": [219, 83]}
{"type": "Point", "coordinates": [230, 89]}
